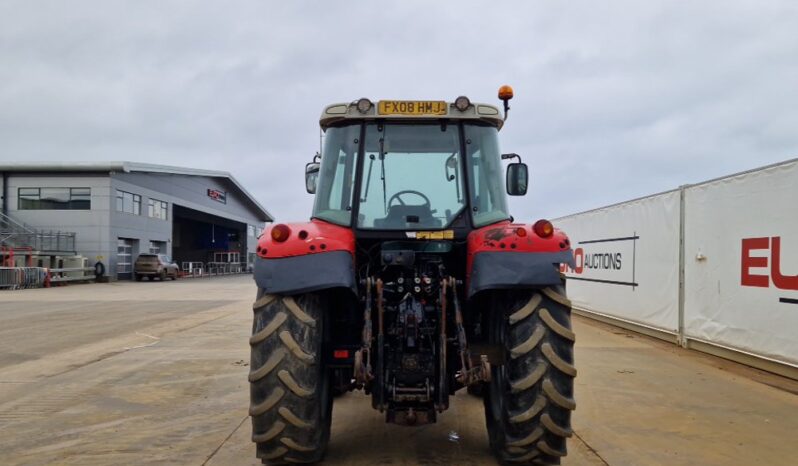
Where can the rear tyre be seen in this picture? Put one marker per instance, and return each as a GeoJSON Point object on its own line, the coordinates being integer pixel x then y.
{"type": "Point", "coordinates": [290, 399]}
{"type": "Point", "coordinates": [529, 400]}
{"type": "Point", "coordinates": [163, 275]}
{"type": "Point", "coordinates": [138, 277]}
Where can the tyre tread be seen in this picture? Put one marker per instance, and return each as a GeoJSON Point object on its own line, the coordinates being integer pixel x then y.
{"type": "Point", "coordinates": [295, 420]}
{"type": "Point", "coordinates": [287, 380]}
{"type": "Point", "coordinates": [557, 361]}
{"type": "Point", "coordinates": [555, 326]}
{"type": "Point", "coordinates": [529, 344]}
{"type": "Point", "coordinates": [525, 311]}
{"type": "Point", "coordinates": [301, 315]}
{"type": "Point", "coordinates": [276, 429]}
{"type": "Point", "coordinates": [290, 420]}
{"type": "Point", "coordinates": [276, 322]}
{"type": "Point", "coordinates": [294, 347]}
{"type": "Point", "coordinates": [539, 377]}
{"type": "Point", "coordinates": [264, 370]}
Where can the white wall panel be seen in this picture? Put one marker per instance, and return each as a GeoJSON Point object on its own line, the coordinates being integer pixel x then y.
{"type": "Point", "coordinates": [627, 260]}
{"type": "Point", "coordinates": [744, 298]}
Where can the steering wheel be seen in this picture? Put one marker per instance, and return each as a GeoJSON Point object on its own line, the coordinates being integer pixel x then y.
{"type": "Point", "coordinates": [397, 197]}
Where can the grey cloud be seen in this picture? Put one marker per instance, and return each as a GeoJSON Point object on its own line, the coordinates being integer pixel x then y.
{"type": "Point", "coordinates": [613, 100]}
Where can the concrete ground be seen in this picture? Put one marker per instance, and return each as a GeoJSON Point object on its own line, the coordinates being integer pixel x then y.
{"type": "Point", "coordinates": [155, 373]}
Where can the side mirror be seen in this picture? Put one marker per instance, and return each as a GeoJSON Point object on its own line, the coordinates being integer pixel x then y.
{"type": "Point", "coordinates": [517, 179]}
{"type": "Point", "coordinates": [311, 176]}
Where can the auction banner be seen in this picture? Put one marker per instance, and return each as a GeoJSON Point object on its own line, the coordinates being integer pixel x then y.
{"type": "Point", "coordinates": [627, 260]}
{"type": "Point", "coordinates": [741, 262]}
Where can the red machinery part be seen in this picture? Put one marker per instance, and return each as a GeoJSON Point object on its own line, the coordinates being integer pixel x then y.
{"type": "Point", "coordinates": [306, 238]}
{"type": "Point", "coordinates": [513, 237]}
{"type": "Point", "coordinates": [516, 237]}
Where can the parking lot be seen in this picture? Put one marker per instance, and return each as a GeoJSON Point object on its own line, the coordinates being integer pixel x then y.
{"type": "Point", "coordinates": [156, 373]}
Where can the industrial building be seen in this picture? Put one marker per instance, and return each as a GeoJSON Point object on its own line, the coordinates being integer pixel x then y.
{"type": "Point", "coordinates": [111, 212]}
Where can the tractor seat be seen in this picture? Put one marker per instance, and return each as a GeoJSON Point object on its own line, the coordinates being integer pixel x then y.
{"type": "Point", "coordinates": [403, 216]}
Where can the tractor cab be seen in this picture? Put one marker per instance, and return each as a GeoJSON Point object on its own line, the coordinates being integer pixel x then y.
{"type": "Point", "coordinates": [406, 166]}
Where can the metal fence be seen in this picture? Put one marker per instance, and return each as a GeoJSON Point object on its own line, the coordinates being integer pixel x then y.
{"type": "Point", "coordinates": [14, 233]}
{"type": "Point", "coordinates": [211, 269]}
{"type": "Point", "coordinates": [193, 269]}
{"type": "Point", "coordinates": [17, 278]}
{"type": "Point", "coordinates": [224, 268]}
{"type": "Point", "coordinates": [45, 240]}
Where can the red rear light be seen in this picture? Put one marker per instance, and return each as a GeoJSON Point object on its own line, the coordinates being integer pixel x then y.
{"type": "Point", "coordinates": [543, 228]}
{"type": "Point", "coordinates": [341, 354]}
{"type": "Point", "coordinates": [520, 231]}
{"type": "Point", "coordinates": [280, 233]}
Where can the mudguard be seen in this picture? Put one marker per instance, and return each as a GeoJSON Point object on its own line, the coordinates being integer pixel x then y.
{"type": "Point", "coordinates": [302, 274]}
{"type": "Point", "coordinates": [315, 256]}
{"type": "Point", "coordinates": [493, 270]}
{"type": "Point", "coordinates": [510, 255]}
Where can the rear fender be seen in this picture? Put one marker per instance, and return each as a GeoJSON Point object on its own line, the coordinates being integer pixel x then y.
{"type": "Point", "coordinates": [308, 238]}
{"type": "Point", "coordinates": [303, 274]}
{"type": "Point", "coordinates": [511, 255]}
{"type": "Point", "coordinates": [317, 255]}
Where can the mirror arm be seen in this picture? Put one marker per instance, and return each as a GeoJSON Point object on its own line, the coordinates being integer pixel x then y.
{"type": "Point", "coordinates": [512, 156]}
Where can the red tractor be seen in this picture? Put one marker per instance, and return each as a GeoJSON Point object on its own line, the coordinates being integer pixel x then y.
{"type": "Point", "coordinates": [412, 281]}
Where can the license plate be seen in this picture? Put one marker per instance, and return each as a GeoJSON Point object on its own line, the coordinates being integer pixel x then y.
{"type": "Point", "coordinates": [445, 234]}
{"type": "Point", "coordinates": [412, 107]}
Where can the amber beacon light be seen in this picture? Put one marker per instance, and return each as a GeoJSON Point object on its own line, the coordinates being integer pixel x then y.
{"type": "Point", "coordinates": [505, 92]}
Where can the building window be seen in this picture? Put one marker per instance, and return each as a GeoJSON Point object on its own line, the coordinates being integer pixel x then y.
{"type": "Point", "coordinates": [157, 247]}
{"type": "Point", "coordinates": [254, 231]}
{"type": "Point", "coordinates": [128, 202]}
{"type": "Point", "coordinates": [157, 209]}
{"type": "Point", "coordinates": [54, 199]}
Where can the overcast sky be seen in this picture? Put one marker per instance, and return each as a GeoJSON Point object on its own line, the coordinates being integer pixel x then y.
{"type": "Point", "coordinates": [614, 100]}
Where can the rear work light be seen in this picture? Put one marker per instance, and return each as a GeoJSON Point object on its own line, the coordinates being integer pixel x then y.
{"type": "Point", "coordinates": [364, 105]}
{"type": "Point", "coordinates": [543, 228]}
{"type": "Point", "coordinates": [462, 103]}
{"type": "Point", "coordinates": [280, 233]}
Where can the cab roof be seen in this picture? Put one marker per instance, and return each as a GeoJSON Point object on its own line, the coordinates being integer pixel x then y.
{"type": "Point", "coordinates": [401, 110]}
